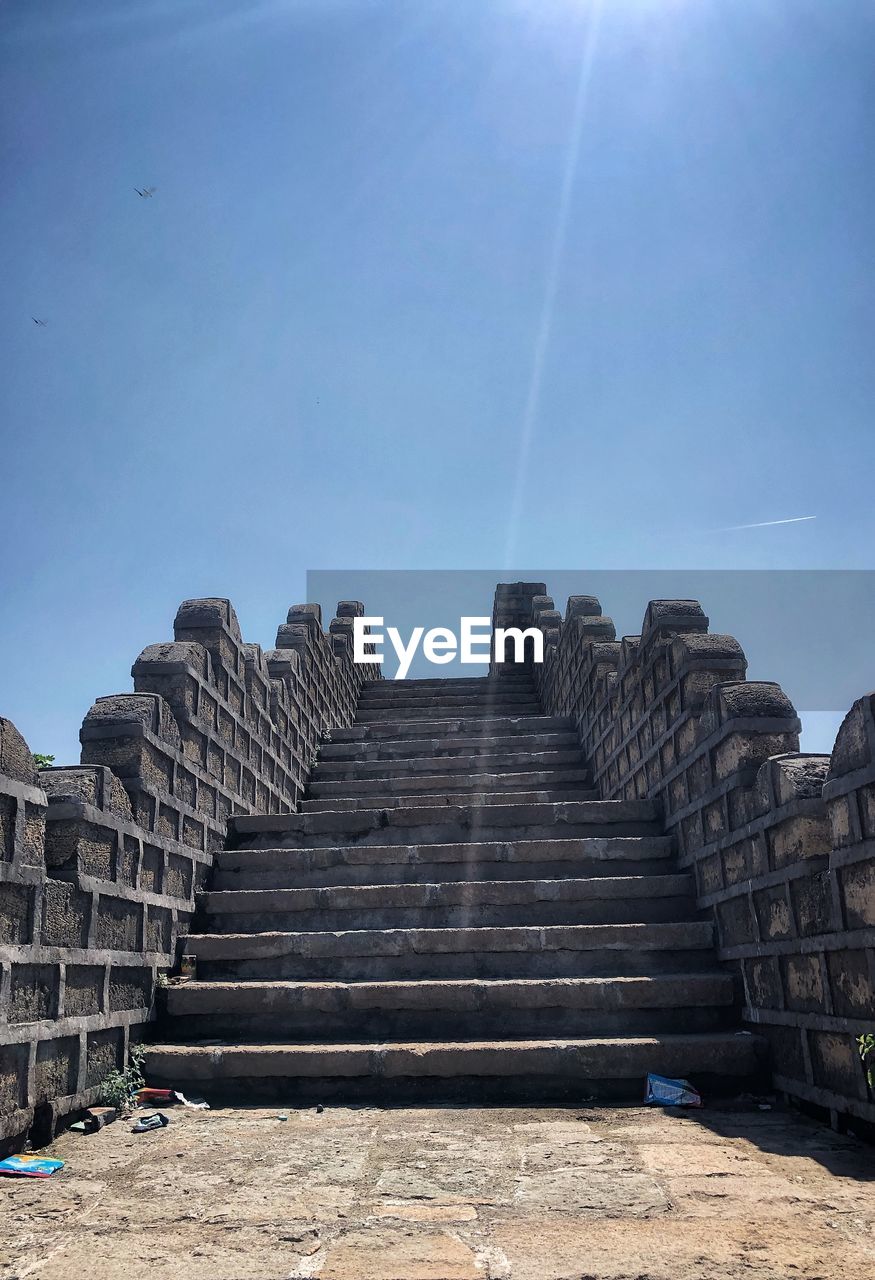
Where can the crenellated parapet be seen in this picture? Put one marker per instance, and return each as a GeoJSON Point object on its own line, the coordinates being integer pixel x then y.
{"type": "Point", "coordinates": [781, 843]}
{"type": "Point", "coordinates": [100, 862]}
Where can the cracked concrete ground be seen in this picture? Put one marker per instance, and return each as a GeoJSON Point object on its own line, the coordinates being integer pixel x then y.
{"type": "Point", "coordinates": [449, 1194]}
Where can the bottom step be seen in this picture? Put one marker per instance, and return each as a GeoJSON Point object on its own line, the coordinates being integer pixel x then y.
{"type": "Point", "coordinates": [716, 1062]}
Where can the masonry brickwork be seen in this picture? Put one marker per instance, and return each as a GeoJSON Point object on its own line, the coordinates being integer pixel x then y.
{"type": "Point", "coordinates": [100, 863]}
{"type": "Point", "coordinates": [782, 843]}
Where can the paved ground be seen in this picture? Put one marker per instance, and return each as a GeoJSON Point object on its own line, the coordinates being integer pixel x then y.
{"type": "Point", "coordinates": [449, 1194]}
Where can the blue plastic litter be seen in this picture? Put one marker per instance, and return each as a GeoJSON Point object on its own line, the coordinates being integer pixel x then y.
{"type": "Point", "coordinates": [666, 1092]}
{"type": "Point", "coordinates": [30, 1166]}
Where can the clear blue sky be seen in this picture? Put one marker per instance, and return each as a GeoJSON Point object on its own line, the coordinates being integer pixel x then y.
{"type": "Point", "coordinates": [424, 284]}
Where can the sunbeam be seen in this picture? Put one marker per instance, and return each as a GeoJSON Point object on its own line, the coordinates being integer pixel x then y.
{"type": "Point", "coordinates": [551, 282]}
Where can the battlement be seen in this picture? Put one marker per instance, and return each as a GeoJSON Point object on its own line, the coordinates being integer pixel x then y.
{"type": "Point", "coordinates": [780, 842]}
{"type": "Point", "coordinates": [100, 862]}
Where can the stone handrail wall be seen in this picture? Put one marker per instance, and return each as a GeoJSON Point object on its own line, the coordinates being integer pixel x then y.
{"type": "Point", "coordinates": [100, 862]}
{"type": "Point", "coordinates": [782, 844]}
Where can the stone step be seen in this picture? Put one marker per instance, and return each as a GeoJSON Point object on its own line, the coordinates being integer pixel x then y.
{"type": "Point", "coordinates": [449, 800]}
{"type": "Point", "coordinates": [431, 825]}
{"type": "Point", "coordinates": [601, 1067]}
{"type": "Point", "coordinates": [510, 678]}
{"type": "Point", "coordinates": [415, 783]}
{"type": "Point", "coordinates": [437, 863]}
{"type": "Point", "coordinates": [438, 709]}
{"type": "Point", "coordinates": [453, 691]}
{"type": "Point", "coordinates": [404, 692]}
{"type": "Point", "coordinates": [449, 747]}
{"type": "Point", "coordinates": [549, 951]}
{"type": "Point", "coordinates": [470, 727]}
{"type": "Point", "coordinates": [508, 674]}
{"type": "Point", "coordinates": [506, 1009]}
{"type": "Point", "coordinates": [472, 904]}
{"type": "Point", "coordinates": [460, 761]}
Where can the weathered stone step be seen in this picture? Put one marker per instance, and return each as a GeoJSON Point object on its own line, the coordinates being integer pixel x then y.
{"type": "Point", "coordinates": [474, 904]}
{"type": "Point", "coordinates": [507, 1009]}
{"type": "Point", "coordinates": [550, 951]}
{"type": "Point", "coordinates": [447, 748]}
{"type": "Point", "coordinates": [398, 783]}
{"type": "Point", "coordinates": [410, 824]}
{"type": "Point", "coordinates": [608, 1067]}
{"type": "Point", "coordinates": [404, 691]}
{"type": "Point", "coordinates": [448, 800]}
{"type": "Point", "coordinates": [438, 709]}
{"type": "Point", "coordinates": [451, 694]}
{"type": "Point", "coordinates": [436, 863]}
{"type": "Point", "coordinates": [453, 727]}
{"type": "Point", "coordinates": [460, 761]}
{"type": "Point", "coordinates": [510, 677]}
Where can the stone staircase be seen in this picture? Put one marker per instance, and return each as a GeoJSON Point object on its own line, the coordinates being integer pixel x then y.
{"type": "Point", "coordinates": [453, 914]}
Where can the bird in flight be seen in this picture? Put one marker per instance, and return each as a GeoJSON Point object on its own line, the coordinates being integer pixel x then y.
{"type": "Point", "coordinates": [146, 192]}
{"type": "Point", "coordinates": [42, 323]}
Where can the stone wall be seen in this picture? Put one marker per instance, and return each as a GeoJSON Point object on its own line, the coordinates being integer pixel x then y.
{"type": "Point", "coordinates": [782, 844]}
{"type": "Point", "coordinates": [100, 862]}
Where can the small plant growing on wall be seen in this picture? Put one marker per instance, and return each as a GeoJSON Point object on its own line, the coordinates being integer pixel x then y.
{"type": "Point", "coordinates": [866, 1046]}
{"type": "Point", "coordinates": [41, 761]}
{"type": "Point", "coordinates": [118, 1087]}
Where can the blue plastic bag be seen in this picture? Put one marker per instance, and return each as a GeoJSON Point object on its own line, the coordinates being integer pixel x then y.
{"type": "Point", "coordinates": [30, 1166]}
{"type": "Point", "coordinates": [666, 1092]}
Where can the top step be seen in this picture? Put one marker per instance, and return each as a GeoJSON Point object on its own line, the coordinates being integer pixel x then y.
{"type": "Point", "coordinates": [510, 680]}
{"type": "Point", "coordinates": [451, 726]}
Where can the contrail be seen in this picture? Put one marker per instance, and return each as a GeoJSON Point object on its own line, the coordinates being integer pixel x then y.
{"type": "Point", "coordinates": [763, 524]}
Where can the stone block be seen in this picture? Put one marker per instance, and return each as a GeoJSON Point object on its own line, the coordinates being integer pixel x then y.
{"type": "Point", "coordinates": [840, 821]}
{"type": "Point", "coordinates": [76, 848]}
{"type": "Point", "coordinates": [57, 1068]}
{"type": "Point", "coordinates": [16, 913]}
{"type": "Point", "coordinates": [152, 869]}
{"type": "Point", "coordinates": [178, 880]}
{"type": "Point", "coordinates": [129, 988]}
{"type": "Point", "coordinates": [13, 1077]}
{"type": "Point", "coordinates": [128, 861]}
{"type": "Point", "coordinates": [797, 838]}
{"type": "Point", "coordinates": [786, 1049]}
{"type": "Point", "coordinates": [33, 840]}
{"type": "Point", "coordinates": [853, 993]}
{"type": "Point", "coordinates": [94, 785]}
{"type": "Point", "coordinates": [117, 925]}
{"type": "Point", "coordinates": [83, 990]}
{"type": "Point", "coordinates": [857, 888]}
{"type": "Point", "coordinates": [773, 913]}
{"type": "Point", "coordinates": [836, 1064]}
{"type": "Point", "coordinates": [812, 904]}
{"type": "Point", "coordinates": [159, 930]}
{"type": "Point", "coordinates": [103, 1054]}
{"type": "Point", "coordinates": [738, 862]}
{"type": "Point", "coordinates": [763, 983]}
{"type": "Point", "coordinates": [735, 922]}
{"type": "Point", "coordinates": [33, 992]}
{"type": "Point", "coordinates": [802, 979]}
{"type": "Point", "coordinates": [866, 806]}
{"type": "Point", "coordinates": [16, 760]}
{"type": "Point", "coordinates": [710, 872]}
{"type": "Point", "coordinates": [714, 820]}
{"type": "Point", "coordinates": [66, 913]}
{"type": "Point", "coordinates": [8, 809]}
{"type": "Point", "coordinates": [851, 751]}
